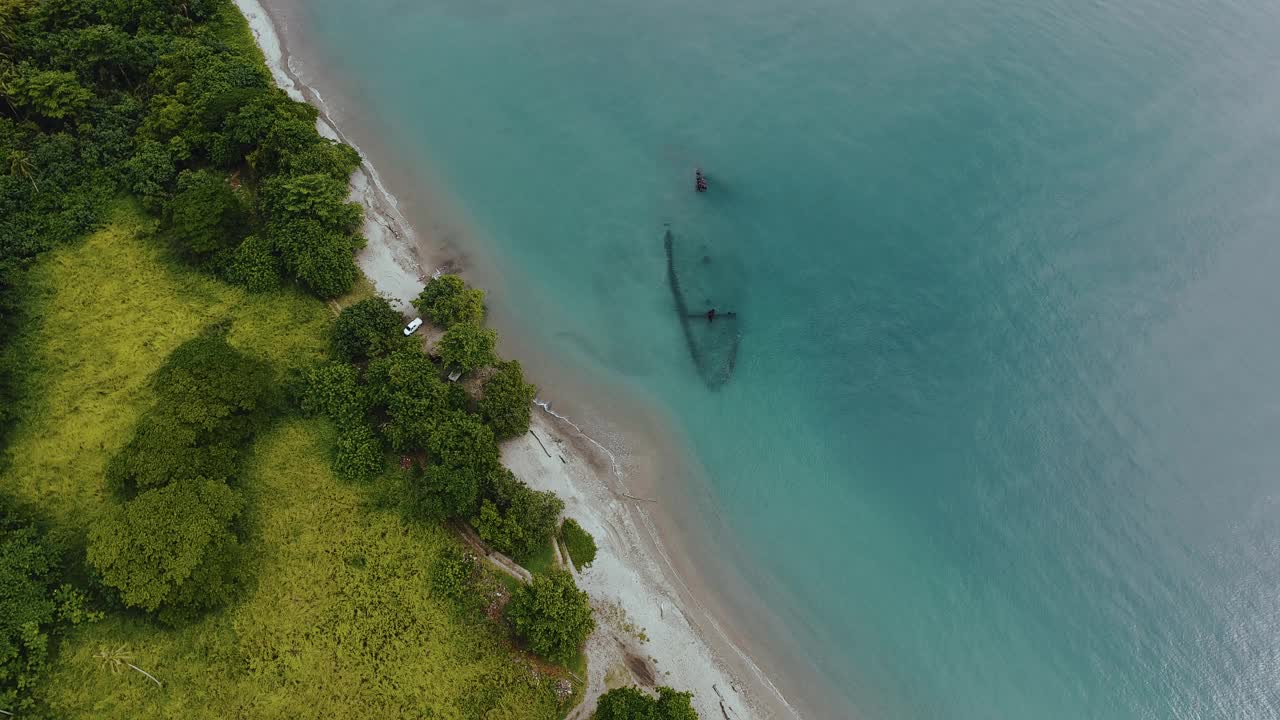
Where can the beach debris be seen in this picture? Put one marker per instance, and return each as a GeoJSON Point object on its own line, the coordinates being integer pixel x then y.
{"type": "Point", "coordinates": [629, 496]}
{"type": "Point", "coordinates": [723, 710]}
{"type": "Point", "coordinates": [544, 447]}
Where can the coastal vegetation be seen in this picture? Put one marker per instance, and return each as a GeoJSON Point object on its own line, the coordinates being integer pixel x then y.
{"type": "Point", "coordinates": [629, 703]}
{"type": "Point", "coordinates": [232, 492]}
{"type": "Point", "coordinates": [579, 543]}
{"type": "Point", "coordinates": [447, 300]}
{"type": "Point", "coordinates": [507, 401]}
{"type": "Point", "coordinates": [552, 615]}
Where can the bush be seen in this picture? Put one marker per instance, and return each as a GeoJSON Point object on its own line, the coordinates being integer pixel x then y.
{"type": "Point", "coordinates": [507, 402]}
{"type": "Point", "coordinates": [452, 574]}
{"type": "Point", "coordinates": [334, 390]}
{"type": "Point", "coordinates": [367, 329]}
{"type": "Point", "coordinates": [467, 346]}
{"type": "Point", "coordinates": [629, 703]}
{"type": "Point", "coordinates": [447, 300]}
{"type": "Point", "coordinates": [359, 456]}
{"type": "Point", "coordinates": [580, 544]}
{"type": "Point", "coordinates": [552, 615]}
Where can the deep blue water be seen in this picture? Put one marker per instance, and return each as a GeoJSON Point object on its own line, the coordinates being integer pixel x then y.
{"type": "Point", "coordinates": [1004, 427]}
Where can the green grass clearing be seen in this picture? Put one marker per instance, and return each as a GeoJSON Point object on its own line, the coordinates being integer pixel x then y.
{"type": "Point", "coordinates": [541, 560]}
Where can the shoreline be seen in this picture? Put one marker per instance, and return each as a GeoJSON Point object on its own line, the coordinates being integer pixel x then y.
{"type": "Point", "coordinates": [652, 624]}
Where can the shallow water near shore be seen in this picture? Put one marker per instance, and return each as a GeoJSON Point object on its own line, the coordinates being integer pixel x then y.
{"type": "Point", "coordinates": [1000, 435]}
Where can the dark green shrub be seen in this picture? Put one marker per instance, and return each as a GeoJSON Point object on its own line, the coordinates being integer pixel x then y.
{"type": "Point", "coordinates": [629, 703]}
{"type": "Point", "coordinates": [580, 544]}
{"type": "Point", "coordinates": [453, 574]}
{"type": "Point", "coordinates": [358, 454]}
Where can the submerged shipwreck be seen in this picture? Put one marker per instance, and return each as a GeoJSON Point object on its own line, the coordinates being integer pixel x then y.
{"type": "Point", "coordinates": [711, 332]}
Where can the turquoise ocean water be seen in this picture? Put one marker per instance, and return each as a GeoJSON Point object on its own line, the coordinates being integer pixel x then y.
{"type": "Point", "coordinates": [1004, 427]}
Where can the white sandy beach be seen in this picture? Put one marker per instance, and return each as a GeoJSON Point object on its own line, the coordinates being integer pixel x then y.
{"type": "Point", "coordinates": [651, 628]}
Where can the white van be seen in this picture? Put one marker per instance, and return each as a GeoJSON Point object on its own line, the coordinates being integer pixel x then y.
{"type": "Point", "coordinates": [412, 327]}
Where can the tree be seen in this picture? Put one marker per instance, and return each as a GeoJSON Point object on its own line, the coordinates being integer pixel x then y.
{"type": "Point", "coordinates": [499, 530]}
{"type": "Point", "coordinates": [320, 257]}
{"type": "Point", "coordinates": [552, 615]}
{"type": "Point", "coordinates": [171, 548]}
{"type": "Point", "coordinates": [447, 300]}
{"type": "Point", "coordinates": [316, 197]}
{"type": "Point", "coordinates": [460, 440]}
{"type": "Point", "coordinates": [207, 383]}
{"type": "Point", "coordinates": [675, 705]}
{"type": "Point", "coordinates": [331, 158]}
{"type": "Point", "coordinates": [439, 492]}
{"type": "Point", "coordinates": [580, 544]}
{"type": "Point", "coordinates": [210, 399]}
{"type": "Point", "coordinates": [50, 94]}
{"type": "Point", "coordinates": [624, 703]}
{"type": "Point", "coordinates": [150, 173]}
{"type": "Point", "coordinates": [629, 703]}
{"type": "Point", "coordinates": [164, 450]}
{"type": "Point", "coordinates": [32, 602]}
{"type": "Point", "coordinates": [368, 328]}
{"type": "Point", "coordinates": [534, 513]}
{"type": "Point", "coordinates": [467, 346]}
{"type": "Point", "coordinates": [205, 216]}
{"type": "Point", "coordinates": [407, 385]}
{"type": "Point", "coordinates": [507, 401]}
{"type": "Point", "coordinates": [514, 518]}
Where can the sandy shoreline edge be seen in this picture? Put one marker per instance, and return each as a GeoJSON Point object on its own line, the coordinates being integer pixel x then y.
{"type": "Point", "coordinates": [647, 616]}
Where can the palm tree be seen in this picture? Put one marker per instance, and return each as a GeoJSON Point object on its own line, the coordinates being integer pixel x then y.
{"type": "Point", "coordinates": [20, 164]}
{"type": "Point", "coordinates": [118, 659]}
